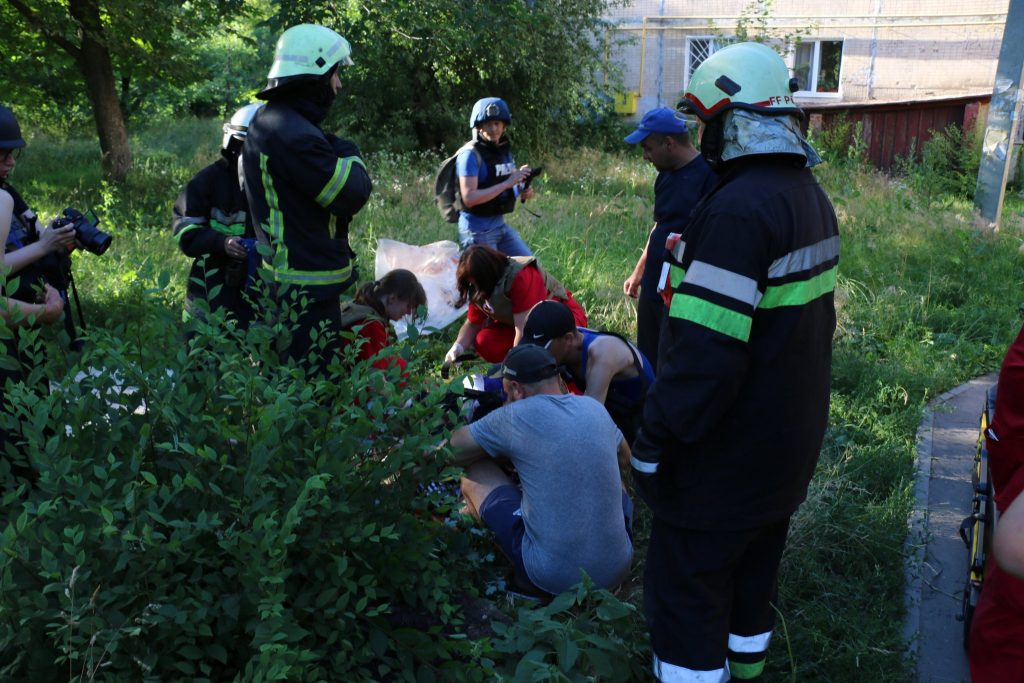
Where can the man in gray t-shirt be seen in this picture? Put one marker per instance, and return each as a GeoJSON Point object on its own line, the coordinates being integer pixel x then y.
{"type": "Point", "coordinates": [569, 515]}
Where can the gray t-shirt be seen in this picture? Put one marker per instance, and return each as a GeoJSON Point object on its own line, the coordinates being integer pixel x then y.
{"type": "Point", "coordinates": [564, 448]}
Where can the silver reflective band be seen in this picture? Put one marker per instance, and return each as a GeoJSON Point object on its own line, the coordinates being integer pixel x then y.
{"type": "Point", "coordinates": [758, 643]}
{"type": "Point", "coordinates": [806, 258]}
{"type": "Point", "coordinates": [670, 673]}
{"type": "Point", "coordinates": [722, 281]}
{"type": "Point", "coordinates": [641, 466]}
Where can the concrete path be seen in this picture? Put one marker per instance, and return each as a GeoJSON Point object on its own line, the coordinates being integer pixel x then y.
{"type": "Point", "coordinates": [936, 557]}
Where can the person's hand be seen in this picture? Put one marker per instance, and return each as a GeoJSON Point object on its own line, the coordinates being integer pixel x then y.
{"type": "Point", "coordinates": [631, 287]}
{"type": "Point", "coordinates": [518, 176]}
{"type": "Point", "coordinates": [526, 194]}
{"type": "Point", "coordinates": [234, 248]}
{"type": "Point", "coordinates": [453, 353]}
{"type": "Point", "coordinates": [57, 238]}
{"type": "Point", "coordinates": [643, 461]}
{"type": "Point", "coordinates": [53, 305]}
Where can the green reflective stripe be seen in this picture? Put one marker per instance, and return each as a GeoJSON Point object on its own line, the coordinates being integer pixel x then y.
{"type": "Point", "coordinates": [189, 227]}
{"type": "Point", "coordinates": [233, 230]}
{"type": "Point", "coordinates": [800, 292]}
{"type": "Point", "coordinates": [712, 316]}
{"type": "Point", "coordinates": [312, 277]}
{"type": "Point", "coordinates": [275, 220]}
{"type": "Point", "coordinates": [676, 274]}
{"type": "Point", "coordinates": [338, 180]}
{"type": "Point", "coordinates": [745, 672]}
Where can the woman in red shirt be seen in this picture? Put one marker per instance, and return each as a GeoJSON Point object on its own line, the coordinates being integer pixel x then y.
{"type": "Point", "coordinates": [366, 317]}
{"type": "Point", "coordinates": [501, 290]}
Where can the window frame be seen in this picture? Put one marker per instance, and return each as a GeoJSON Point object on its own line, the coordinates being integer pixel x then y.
{"type": "Point", "coordinates": [815, 67]}
{"type": "Point", "coordinates": [716, 43]}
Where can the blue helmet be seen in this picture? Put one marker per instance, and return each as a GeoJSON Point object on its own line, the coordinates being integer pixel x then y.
{"type": "Point", "coordinates": [490, 109]}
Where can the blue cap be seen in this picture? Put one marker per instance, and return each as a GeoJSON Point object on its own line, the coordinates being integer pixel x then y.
{"type": "Point", "coordinates": [659, 120]}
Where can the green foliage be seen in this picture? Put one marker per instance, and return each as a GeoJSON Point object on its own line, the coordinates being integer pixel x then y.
{"type": "Point", "coordinates": [842, 142]}
{"type": "Point", "coordinates": [204, 512]}
{"type": "Point", "coordinates": [580, 636]}
{"type": "Point", "coordinates": [755, 24]}
{"type": "Point", "coordinates": [420, 66]}
{"type": "Point", "coordinates": [949, 165]}
{"type": "Point", "coordinates": [155, 47]}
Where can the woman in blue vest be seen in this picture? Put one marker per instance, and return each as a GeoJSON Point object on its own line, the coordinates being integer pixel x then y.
{"type": "Point", "coordinates": [488, 180]}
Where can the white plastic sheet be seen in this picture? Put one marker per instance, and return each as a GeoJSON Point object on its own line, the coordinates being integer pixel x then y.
{"type": "Point", "coordinates": [434, 265]}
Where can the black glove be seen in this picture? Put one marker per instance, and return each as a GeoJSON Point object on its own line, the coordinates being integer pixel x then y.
{"type": "Point", "coordinates": [646, 454]}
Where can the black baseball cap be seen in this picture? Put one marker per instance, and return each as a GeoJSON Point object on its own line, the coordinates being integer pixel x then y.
{"type": "Point", "coordinates": [529, 363]}
{"type": "Point", "coordinates": [546, 321]}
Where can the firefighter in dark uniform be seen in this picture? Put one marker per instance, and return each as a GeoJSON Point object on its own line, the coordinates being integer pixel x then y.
{"type": "Point", "coordinates": [733, 424]}
{"type": "Point", "coordinates": [211, 226]}
{"type": "Point", "coordinates": [304, 186]}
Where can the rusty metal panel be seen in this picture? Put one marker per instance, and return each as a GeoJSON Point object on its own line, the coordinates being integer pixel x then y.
{"type": "Point", "coordinates": [893, 130]}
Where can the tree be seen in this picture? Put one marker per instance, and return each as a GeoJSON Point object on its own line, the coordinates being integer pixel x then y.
{"type": "Point", "coordinates": [110, 43]}
{"type": "Point", "coordinates": [420, 64]}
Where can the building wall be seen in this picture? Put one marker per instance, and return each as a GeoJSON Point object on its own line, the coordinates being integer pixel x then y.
{"type": "Point", "coordinates": [892, 49]}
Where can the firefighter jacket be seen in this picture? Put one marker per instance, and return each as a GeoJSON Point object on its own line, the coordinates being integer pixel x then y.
{"type": "Point", "coordinates": [734, 422]}
{"type": "Point", "coordinates": [209, 210]}
{"type": "Point", "coordinates": [304, 187]}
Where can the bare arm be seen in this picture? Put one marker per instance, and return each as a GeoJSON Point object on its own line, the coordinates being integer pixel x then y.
{"type": "Point", "coordinates": [631, 287]}
{"type": "Point", "coordinates": [519, 321]}
{"type": "Point", "coordinates": [607, 357]}
{"type": "Point", "coordinates": [465, 447]}
{"type": "Point", "coordinates": [467, 335]}
{"type": "Point", "coordinates": [1009, 540]}
{"type": "Point", "coordinates": [623, 454]}
{"type": "Point", "coordinates": [50, 239]}
{"type": "Point", "coordinates": [22, 313]}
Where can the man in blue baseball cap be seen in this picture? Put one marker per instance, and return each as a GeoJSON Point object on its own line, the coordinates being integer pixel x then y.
{"type": "Point", "coordinates": [683, 178]}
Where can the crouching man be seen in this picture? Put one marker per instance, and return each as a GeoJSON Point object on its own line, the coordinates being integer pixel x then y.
{"type": "Point", "coordinates": [602, 365]}
{"type": "Point", "coordinates": [571, 513]}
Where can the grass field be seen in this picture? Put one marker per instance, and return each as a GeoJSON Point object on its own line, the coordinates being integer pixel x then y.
{"type": "Point", "coordinates": [924, 303]}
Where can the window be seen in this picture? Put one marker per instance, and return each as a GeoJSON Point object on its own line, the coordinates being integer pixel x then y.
{"type": "Point", "coordinates": [699, 49]}
{"type": "Point", "coordinates": [816, 66]}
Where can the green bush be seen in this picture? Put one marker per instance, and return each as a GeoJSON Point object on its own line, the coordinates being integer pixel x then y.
{"type": "Point", "coordinates": [949, 164]}
{"type": "Point", "coordinates": [841, 142]}
{"type": "Point", "coordinates": [225, 518]}
{"type": "Point", "coordinates": [582, 635]}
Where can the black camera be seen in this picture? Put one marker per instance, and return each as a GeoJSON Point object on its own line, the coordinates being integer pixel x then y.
{"type": "Point", "coordinates": [534, 173]}
{"type": "Point", "coordinates": [87, 235]}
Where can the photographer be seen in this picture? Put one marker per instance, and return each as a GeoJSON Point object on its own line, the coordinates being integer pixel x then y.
{"type": "Point", "coordinates": [489, 181]}
{"type": "Point", "coordinates": [34, 302]}
{"type": "Point", "coordinates": [212, 226]}
{"type": "Point", "coordinates": [25, 245]}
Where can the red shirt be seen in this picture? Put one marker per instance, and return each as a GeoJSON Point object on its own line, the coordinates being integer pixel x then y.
{"type": "Point", "coordinates": [526, 292]}
{"type": "Point", "coordinates": [373, 337]}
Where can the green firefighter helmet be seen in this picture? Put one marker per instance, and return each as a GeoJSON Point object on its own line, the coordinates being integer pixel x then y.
{"type": "Point", "coordinates": [741, 76]}
{"type": "Point", "coordinates": [306, 52]}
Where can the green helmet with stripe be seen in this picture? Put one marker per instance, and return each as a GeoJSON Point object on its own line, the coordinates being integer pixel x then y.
{"type": "Point", "coordinates": [306, 52]}
{"type": "Point", "coordinates": [748, 76]}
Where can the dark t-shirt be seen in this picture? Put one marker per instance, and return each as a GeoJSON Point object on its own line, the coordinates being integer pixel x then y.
{"type": "Point", "coordinates": [675, 194]}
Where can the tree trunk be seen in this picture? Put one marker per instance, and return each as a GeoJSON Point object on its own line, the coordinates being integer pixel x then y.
{"type": "Point", "coordinates": [98, 69]}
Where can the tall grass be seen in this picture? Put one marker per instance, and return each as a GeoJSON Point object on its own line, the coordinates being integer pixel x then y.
{"type": "Point", "coordinates": [924, 303]}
